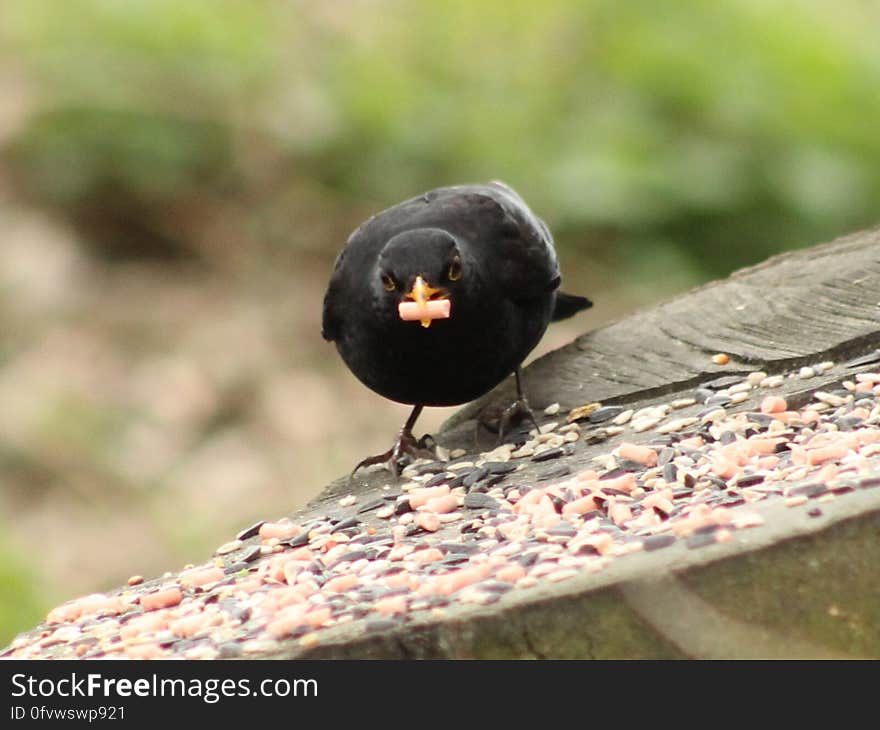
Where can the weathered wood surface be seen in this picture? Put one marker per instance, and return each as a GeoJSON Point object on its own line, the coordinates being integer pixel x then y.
{"type": "Point", "coordinates": [802, 584]}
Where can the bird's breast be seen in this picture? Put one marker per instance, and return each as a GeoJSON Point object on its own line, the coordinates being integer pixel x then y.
{"type": "Point", "coordinates": [452, 361]}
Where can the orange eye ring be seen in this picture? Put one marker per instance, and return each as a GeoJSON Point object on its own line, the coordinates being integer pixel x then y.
{"type": "Point", "coordinates": [388, 283]}
{"type": "Point", "coordinates": [455, 270]}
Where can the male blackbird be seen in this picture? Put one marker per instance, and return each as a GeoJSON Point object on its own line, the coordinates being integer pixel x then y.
{"type": "Point", "coordinates": [436, 300]}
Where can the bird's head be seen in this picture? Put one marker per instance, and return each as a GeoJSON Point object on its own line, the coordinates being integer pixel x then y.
{"type": "Point", "coordinates": [419, 272]}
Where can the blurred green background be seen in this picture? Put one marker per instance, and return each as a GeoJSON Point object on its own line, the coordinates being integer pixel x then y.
{"type": "Point", "coordinates": [177, 177]}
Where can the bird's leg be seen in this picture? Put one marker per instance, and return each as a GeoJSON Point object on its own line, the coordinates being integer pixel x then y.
{"type": "Point", "coordinates": [405, 445]}
{"type": "Point", "coordinates": [518, 410]}
{"type": "Point", "coordinates": [500, 420]}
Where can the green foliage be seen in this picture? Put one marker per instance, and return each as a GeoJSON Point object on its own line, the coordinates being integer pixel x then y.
{"type": "Point", "coordinates": [718, 131]}
{"type": "Point", "coordinates": [20, 606]}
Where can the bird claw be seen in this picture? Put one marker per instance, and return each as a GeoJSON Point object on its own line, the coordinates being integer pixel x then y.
{"type": "Point", "coordinates": [503, 420]}
{"type": "Point", "coordinates": [407, 448]}
{"type": "Point", "coordinates": [519, 410]}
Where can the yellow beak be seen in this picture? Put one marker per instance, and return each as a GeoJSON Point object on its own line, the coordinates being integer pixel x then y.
{"type": "Point", "coordinates": [421, 294]}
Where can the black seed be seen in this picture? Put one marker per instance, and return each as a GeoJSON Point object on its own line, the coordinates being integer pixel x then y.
{"type": "Point", "coordinates": [733, 501]}
{"type": "Point", "coordinates": [455, 481]}
{"type": "Point", "coordinates": [842, 488]}
{"type": "Point", "coordinates": [701, 539]}
{"type": "Point", "coordinates": [468, 548]}
{"type": "Point", "coordinates": [548, 454]}
{"type": "Point", "coordinates": [371, 505]}
{"type": "Point", "coordinates": [868, 482]}
{"type": "Point", "coordinates": [655, 542]}
{"type": "Point", "coordinates": [604, 413]}
{"type": "Point", "coordinates": [814, 512]}
{"type": "Point", "coordinates": [689, 480]}
{"type": "Point", "coordinates": [558, 502]}
{"type": "Point", "coordinates": [438, 479]}
{"type": "Point", "coordinates": [811, 490]}
{"type": "Point", "coordinates": [298, 541]}
{"type": "Point", "coordinates": [670, 472]}
{"type": "Point", "coordinates": [381, 624]}
{"type": "Point", "coordinates": [403, 506]}
{"type": "Point", "coordinates": [489, 482]}
{"type": "Point", "coordinates": [432, 468]}
{"type": "Point", "coordinates": [749, 480]}
{"type": "Point", "coordinates": [719, 399]}
{"type": "Point", "coordinates": [236, 566]}
{"type": "Point", "coordinates": [760, 418]}
{"type": "Point", "coordinates": [350, 557]}
{"type": "Point", "coordinates": [628, 465]}
{"type": "Point", "coordinates": [848, 423]}
{"type": "Point", "coordinates": [412, 530]}
{"type": "Point", "coordinates": [596, 437]}
{"type": "Point", "coordinates": [474, 476]}
{"type": "Point", "coordinates": [702, 394]}
{"type": "Point", "coordinates": [251, 554]}
{"type": "Point", "coordinates": [346, 524]}
{"type": "Point", "coordinates": [499, 467]}
{"type": "Point", "coordinates": [496, 586]}
{"type": "Point", "coordinates": [526, 559]}
{"type": "Point", "coordinates": [716, 481]}
{"type": "Point", "coordinates": [662, 514]}
{"type": "Point", "coordinates": [480, 500]}
{"type": "Point", "coordinates": [615, 492]}
{"type": "Point", "coordinates": [667, 454]}
{"type": "Point", "coordinates": [251, 531]}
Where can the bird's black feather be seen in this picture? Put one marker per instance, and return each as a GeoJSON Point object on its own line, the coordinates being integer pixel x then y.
{"type": "Point", "coordinates": [500, 308]}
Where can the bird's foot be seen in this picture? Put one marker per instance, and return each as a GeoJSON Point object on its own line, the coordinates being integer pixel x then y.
{"type": "Point", "coordinates": [406, 449]}
{"type": "Point", "coordinates": [503, 420]}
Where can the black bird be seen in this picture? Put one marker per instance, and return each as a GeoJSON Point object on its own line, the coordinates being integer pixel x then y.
{"type": "Point", "coordinates": [435, 301]}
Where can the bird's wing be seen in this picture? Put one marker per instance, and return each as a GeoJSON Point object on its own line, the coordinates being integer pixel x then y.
{"type": "Point", "coordinates": [515, 243]}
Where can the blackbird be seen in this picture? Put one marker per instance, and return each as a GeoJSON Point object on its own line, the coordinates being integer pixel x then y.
{"type": "Point", "coordinates": [436, 300]}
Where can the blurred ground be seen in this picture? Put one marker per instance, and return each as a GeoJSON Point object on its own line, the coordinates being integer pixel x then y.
{"type": "Point", "coordinates": [177, 177]}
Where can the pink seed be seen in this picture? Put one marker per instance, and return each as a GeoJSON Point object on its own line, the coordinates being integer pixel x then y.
{"type": "Point", "coordinates": [427, 555]}
{"type": "Point", "coordinates": [286, 621]}
{"type": "Point", "coordinates": [580, 506]}
{"type": "Point", "coordinates": [421, 496]}
{"type": "Point", "coordinates": [433, 309]}
{"type": "Point", "coordinates": [428, 521]}
{"type": "Point", "coordinates": [201, 576]}
{"type": "Point", "coordinates": [161, 599]}
{"type": "Point", "coordinates": [341, 583]}
{"type": "Point", "coordinates": [827, 453]}
{"type": "Point", "coordinates": [144, 651]}
{"type": "Point", "coordinates": [191, 625]}
{"type": "Point", "coordinates": [773, 404]}
{"type": "Point", "coordinates": [441, 505]}
{"type": "Point", "coordinates": [510, 573]}
{"type": "Point", "coordinates": [391, 605]}
{"type": "Point", "coordinates": [640, 454]}
{"type": "Point", "coordinates": [625, 483]}
{"type": "Point", "coordinates": [619, 512]}
{"type": "Point", "coordinates": [281, 530]}
{"type": "Point", "coordinates": [144, 624]}
{"type": "Point", "coordinates": [763, 446]}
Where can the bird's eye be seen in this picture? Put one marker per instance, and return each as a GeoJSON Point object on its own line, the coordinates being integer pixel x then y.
{"type": "Point", "coordinates": [388, 283]}
{"type": "Point", "coordinates": [454, 273]}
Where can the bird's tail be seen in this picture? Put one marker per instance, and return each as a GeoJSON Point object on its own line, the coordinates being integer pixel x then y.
{"type": "Point", "coordinates": [568, 304]}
